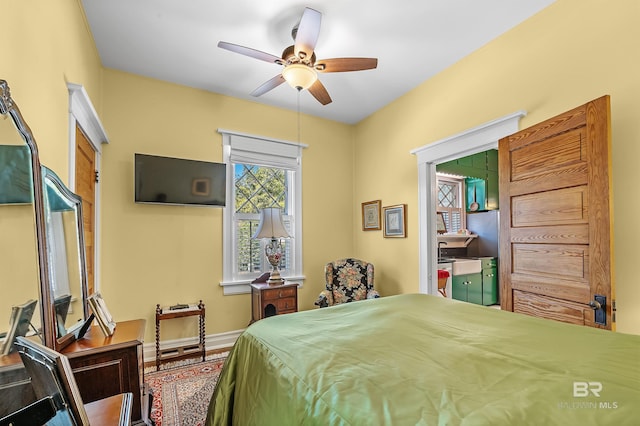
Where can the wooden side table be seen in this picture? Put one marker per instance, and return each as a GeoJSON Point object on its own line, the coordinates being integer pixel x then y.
{"type": "Point", "coordinates": [180, 352]}
{"type": "Point", "coordinates": [269, 300]}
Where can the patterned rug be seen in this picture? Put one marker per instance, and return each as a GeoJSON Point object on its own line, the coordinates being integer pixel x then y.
{"type": "Point", "coordinates": [181, 395]}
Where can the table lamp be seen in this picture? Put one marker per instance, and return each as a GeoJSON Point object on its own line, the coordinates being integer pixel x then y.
{"type": "Point", "coordinates": [272, 228]}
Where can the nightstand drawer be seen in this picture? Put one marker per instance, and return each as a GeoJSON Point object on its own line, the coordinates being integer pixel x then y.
{"type": "Point", "coordinates": [279, 293]}
{"type": "Point", "coordinates": [286, 304]}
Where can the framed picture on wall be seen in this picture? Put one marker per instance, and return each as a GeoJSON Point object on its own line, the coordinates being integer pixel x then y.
{"type": "Point", "coordinates": [371, 216]}
{"type": "Point", "coordinates": [395, 218]}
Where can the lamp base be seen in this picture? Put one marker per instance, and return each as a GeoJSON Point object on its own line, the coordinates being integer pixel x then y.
{"type": "Point", "coordinates": [275, 278]}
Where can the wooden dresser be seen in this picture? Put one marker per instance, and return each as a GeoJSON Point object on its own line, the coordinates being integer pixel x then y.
{"type": "Point", "coordinates": [106, 366]}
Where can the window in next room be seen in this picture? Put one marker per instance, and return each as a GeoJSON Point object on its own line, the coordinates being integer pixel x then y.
{"type": "Point", "coordinates": [451, 202]}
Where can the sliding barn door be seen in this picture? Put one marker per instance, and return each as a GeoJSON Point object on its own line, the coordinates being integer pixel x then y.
{"type": "Point", "coordinates": [556, 248]}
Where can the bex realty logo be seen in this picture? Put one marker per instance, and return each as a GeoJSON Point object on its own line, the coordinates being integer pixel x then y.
{"type": "Point", "coordinates": [584, 389]}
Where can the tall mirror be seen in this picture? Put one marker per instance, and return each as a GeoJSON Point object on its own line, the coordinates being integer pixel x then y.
{"type": "Point", "coordinates": [66, 260]}
{"type": "Point", "coordinates": [21, 253]}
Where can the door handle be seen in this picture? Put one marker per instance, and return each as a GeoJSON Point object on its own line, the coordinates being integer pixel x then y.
{"type": "Point", "coordinates": [598, 304]}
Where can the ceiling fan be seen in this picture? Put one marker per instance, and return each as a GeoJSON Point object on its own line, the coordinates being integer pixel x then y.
{"type": "Point", "coordinates": [299, 60]}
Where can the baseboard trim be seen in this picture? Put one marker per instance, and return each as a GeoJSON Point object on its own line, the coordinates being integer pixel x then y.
{"type": "Point", "coordinates": [213, 342]}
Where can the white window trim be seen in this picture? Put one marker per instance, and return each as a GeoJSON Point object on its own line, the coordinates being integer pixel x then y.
{"type": "Point", "coordinates": [459, 182]}
{"type": "Point", "coordinates": [229, 285]}
{"type": "Point", "coordinates": [469, 142]}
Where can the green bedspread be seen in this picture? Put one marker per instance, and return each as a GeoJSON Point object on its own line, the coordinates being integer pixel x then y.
{"type": "Point", "coordinates": [425, 360]}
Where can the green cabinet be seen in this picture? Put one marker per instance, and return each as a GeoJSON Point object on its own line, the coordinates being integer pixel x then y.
{"type": "Point", "coordinates": [479, 288]}
{"type": "Point", "coordinates": [489, 281]}
{"type": "Point", "coordinates": [481, 169]}
{"type": "Point", "coordinates": [467, 287]}
{"type": "Point", "coordinates": [476, 193]}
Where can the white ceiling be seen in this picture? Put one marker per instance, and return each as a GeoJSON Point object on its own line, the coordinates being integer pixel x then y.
{"type": "Point", "coordinates": [176, 41]}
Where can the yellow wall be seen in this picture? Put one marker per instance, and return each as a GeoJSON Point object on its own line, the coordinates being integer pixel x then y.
{"type": "Point", "coordinates": [46, 45]}
{"type": "Point", "coordinates": [568, 54]}
{"type": "Point", "coordinates": [574, 51]}
{"type": "Point", "coordinates": [168, 254]}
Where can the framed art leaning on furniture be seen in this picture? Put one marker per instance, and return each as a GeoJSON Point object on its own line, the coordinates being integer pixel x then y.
{"type": "Point", "coordinates": [103, 316]}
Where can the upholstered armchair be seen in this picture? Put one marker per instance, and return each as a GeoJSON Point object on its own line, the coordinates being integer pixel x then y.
{"type": "Point", "coordinates": [347, 280]}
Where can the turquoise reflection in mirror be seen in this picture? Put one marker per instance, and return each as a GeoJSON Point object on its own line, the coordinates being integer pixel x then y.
{"type": "Point", "coordinates": [16, 185]}
{"type": "Point", "coordinates": [19, 272]}
{"type": "Point", "coordinates": [65, 251]}
{"type": "Point", "coordinates": [23, 281]}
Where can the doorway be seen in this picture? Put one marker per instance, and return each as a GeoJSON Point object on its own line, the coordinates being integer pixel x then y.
{"type": "Point", "coordinates": [469, 142]}
{"type": "Point", "coordinates": [86, 135]}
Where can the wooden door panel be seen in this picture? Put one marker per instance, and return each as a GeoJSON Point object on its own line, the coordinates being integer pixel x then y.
{"type": "Point", "coordinates": [565, 177]}
{"type": "Point", "coordinates": [85, 188]}
{"type": "Point", "coordinates": [564, 122]}
{"type": "Point", "coordinates": [563, 262]}
{"type": "Point", "coordinates": [553, 287]}
{"type": "Point", "coordinates": [563, 206]}
{"type": "Point", "coordinates": [566, 234]}
{"type": "Point", "coordinates": [555, 227]}
{"type": "Point", "coordinates": [547, 307]}
{"type": "Point", "coordinates": [557, 152]}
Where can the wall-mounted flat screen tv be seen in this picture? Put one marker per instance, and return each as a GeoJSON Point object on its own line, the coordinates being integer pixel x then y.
{"type": "Point", "coordinates": [179, 181]}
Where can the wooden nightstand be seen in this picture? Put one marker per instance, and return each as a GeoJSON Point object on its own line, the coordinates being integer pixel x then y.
{"type": "Point", "coordinates": [269, 300]}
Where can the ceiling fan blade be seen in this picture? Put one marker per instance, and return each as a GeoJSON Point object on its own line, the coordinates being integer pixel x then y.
{"type": "Point", "coordinates": [271, 84]}
{"type": "Point", "coordinates": [247, 51]}
{"type": "Point", "coordinates": [307, 33]}
{"type": "Point", "coordinates": [319, 92]}
{"type": "Point", "coordinates": [346, 64]}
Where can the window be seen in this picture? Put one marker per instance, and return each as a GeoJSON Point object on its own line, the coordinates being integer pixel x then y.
{"type": "Point", "coordinates": [451, 202]}
{"type": "Point", "coordinates": [257, 187]}
{"type": "Point", "coordinates": [261, 173]}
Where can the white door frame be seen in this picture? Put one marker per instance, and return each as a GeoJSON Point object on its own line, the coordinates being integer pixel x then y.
{"type": "Point", "coordinates": [83, 114]}
{"type": "Point", "coordinates": [469, 142]}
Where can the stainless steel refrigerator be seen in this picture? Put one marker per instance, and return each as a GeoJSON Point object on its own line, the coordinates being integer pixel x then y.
{"type": "Point", "coordinates": [486, 225]}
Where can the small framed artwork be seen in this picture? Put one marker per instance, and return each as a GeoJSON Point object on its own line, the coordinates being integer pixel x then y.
{"type": "Point", "coordinates": [371, 216]}
{"type": "Point", "coordinates": [200, 186]}
{"type": "Point", "coordinates": [441, 226]}
{"type": "Point", "coordinates": [102, 314]}
{"type": "Point", "coordinates": [395, 218]}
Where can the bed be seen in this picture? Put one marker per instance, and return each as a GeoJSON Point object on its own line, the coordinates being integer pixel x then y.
{"type": "Point", "coordinates": [425, 360]}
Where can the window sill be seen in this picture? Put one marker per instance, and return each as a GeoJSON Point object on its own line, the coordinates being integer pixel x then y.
{"type": "Point", "coordinates": [242, 286]}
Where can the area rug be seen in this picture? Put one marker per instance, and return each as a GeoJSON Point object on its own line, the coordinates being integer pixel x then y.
{"type": "Point", "coordinates": [181, 395]}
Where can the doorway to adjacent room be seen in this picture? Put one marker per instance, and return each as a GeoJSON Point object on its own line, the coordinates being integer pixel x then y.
{"type": "Point", "coordinates": [469, 142]}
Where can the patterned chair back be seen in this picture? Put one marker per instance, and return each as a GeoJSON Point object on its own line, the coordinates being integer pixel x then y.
{"type": "Point", "coordinates": [349, 280]}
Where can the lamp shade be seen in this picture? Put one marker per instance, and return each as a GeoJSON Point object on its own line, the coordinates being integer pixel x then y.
{"type": "Point", "coordinates": [271, 225]}
{"type": "Point", "coordinates": [299, 76]}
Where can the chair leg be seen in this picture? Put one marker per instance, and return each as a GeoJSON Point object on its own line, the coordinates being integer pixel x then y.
{"type": "Point", "coordinates": [442, 286]}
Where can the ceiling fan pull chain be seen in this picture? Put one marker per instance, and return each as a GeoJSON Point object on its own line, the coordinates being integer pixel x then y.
{"type": "Point", "coordinates": [299, 90]}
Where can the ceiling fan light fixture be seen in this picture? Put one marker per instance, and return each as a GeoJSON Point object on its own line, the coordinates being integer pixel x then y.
{"type": "Point", "coordinates": [299, 76]}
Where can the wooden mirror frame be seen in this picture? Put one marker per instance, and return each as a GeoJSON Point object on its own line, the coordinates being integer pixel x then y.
{"type": "Point", "coordinates": [8, 107]}
{"type": "Point", "coordinates": [74, 203]}
{"type": "Point", "coordinates": [15, 389]}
